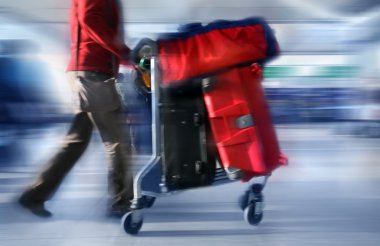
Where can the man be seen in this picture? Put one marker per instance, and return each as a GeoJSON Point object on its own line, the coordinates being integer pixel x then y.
{"type": "Point", "coordinates": [97, 49]}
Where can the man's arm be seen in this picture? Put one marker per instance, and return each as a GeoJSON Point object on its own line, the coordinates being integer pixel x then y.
{"type": "Point", "coordinates": [93, 16]}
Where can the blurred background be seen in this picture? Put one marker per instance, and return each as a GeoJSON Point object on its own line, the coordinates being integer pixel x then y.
{"type": "Point", "coordinates": [323, 91]}
{"type": "Point", "coordinates": [328, 71]}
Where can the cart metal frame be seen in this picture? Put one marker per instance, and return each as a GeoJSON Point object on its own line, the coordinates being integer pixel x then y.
{"type": "Point", "coordinates": [133, 220]}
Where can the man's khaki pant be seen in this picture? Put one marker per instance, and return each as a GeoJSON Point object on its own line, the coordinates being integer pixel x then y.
{"type": "Point", "coordinates": [75, 142]}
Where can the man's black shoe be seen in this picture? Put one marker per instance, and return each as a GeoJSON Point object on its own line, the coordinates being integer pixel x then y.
{"type": "Point", "coordinates": [37, 208]}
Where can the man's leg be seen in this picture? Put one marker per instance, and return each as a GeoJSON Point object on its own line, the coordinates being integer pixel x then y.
{"type": "Point", "coordinates": [74, 145]}
{"type": "Point", "coordinates": [118, 152]}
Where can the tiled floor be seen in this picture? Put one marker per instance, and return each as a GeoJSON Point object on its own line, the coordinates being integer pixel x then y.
{"type": "Point", "coordinates": [327, 196]}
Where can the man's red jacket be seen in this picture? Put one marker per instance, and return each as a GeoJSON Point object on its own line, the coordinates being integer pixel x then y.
{"type": "Point", "coordinates": [99, 22]}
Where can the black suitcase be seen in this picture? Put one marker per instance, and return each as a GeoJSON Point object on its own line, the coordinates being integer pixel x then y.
{"type": "Point", "coordinates": [188, 155]}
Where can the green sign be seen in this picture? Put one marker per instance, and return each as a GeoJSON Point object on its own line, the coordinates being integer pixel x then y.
{"type": "Point", "coordinates": [311, 71]}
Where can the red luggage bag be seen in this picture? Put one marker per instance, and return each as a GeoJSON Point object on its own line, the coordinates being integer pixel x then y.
{"type": "Point", "coordinates": [241, 123]}
{"type": "Point", "coordinates": [198, 51]}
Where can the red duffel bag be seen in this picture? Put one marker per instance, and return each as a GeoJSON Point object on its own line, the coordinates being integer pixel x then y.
{"type": "Point", "coordinates": [198, 50]}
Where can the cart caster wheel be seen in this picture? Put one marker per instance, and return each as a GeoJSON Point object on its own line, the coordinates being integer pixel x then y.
{"type": "Point", "coordinates": [253, 213]}
{"type": "Point", "coordinates": [243, 200]}
{"type": "Point", "coordinates": [148, 201]}
{"type": "Point", "coordinates": [132, 223]}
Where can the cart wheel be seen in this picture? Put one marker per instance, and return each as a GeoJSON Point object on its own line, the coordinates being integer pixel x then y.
{"type": "Point", "coordinates": [148, 201]}
{"type": "Point", "coordinates": [132, 223]}
{"type": "Point", "coordinates": [244, 200]}
{"type": "Point", "coordinates": [253, 213]}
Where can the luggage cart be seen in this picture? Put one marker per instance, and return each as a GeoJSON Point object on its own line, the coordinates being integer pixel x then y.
{"type": "Point", "coordinates": [150, 182]}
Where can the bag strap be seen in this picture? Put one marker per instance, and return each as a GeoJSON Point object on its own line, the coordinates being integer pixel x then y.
{"type": "Point", "coordinates": [113, 58]}
{"type": "Point", "coordinates": [77, 50]}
